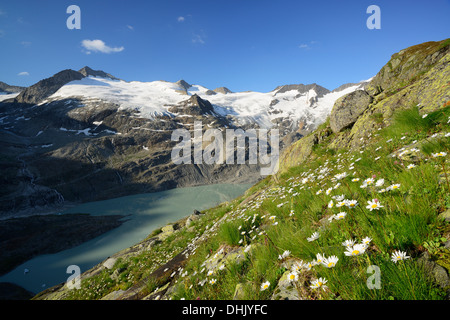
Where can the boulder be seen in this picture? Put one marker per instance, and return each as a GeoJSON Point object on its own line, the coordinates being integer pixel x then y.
{"type": "Point", "coordinates": [445, 215]}
{"type": "Point", "coordinates": [286, 290]}
{"type": "Point", "coordinates": [113, 295]}
{"type": "Point", "coordinates": [239, 293]}
{"type": "Point", "coordinates": [348, 108]}
{"type": "Point", "coordinates": [109, 263]}
{"type": "Point", "coordinates": [438, 272]}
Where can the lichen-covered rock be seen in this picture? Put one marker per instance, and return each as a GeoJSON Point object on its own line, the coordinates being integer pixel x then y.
{"type": "Point", "coordinates": [166, 231]}
{"type": "Point", "coordinates": [286, 289]}
{"type": "Point", "coordinates": [445, 215]}
{"type": "Point", "coordinates": [109, 263]}
{"type": "Point", "coordinates": [439, 273]}
{"type": "Point", "coordinates": [239, 292]}
{"type": "Point", "coordinates": [348, 108]}
{"type": "Point", "coordinates": [113, 295]}
{"type": "Point", "coordinates": [298, 152]}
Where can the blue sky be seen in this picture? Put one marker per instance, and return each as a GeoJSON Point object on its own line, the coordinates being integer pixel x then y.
{"type": "Point", "coordinates": [241, 44]}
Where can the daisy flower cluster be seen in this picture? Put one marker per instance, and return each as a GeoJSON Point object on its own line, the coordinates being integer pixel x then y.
{"type": "Point", "coordinates": [344, 192]}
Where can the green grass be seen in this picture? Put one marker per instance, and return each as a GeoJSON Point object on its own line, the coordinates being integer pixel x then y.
{"type": "Point", "coordinates": [289, 209]}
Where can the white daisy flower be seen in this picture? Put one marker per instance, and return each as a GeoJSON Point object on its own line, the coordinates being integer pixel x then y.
{"type": "Point", "coordinates": [265, 285]}
{"type": "Point", "coordinates": [297, 266]}
{"type": "Point", "coordinates": [379, 182]}
{"type": "Point", "coordinates": [411, 166]}
{"type": "Point", "coordinates": [348, 243]}
{"type": "Point", "coordinates": [439, 154]}
{"type": "Point", "coordinates": [340, 215]}
{"type": "Point", "coordinates": [320, 258]}
{"type": "Point", "coordinates": [292, 276]}
{"type": "Point", "coordinates": [330, 204]}
{"type": "Point", "coordinates": [374, 204]}
{"type": "Point", "coordinates": [284, 255]}
{"type": "Point", "coordinates": [351, 203]}
{"type": "Point", "coordinates": [393, 187]}
{"type": "Point", "coordinates": [356, 250]}
{"type": "Point", "coordinates": [341, 203]}
{"type": "Point", "coordinates": [341, 175]}
{"type": "Point", "coordinates": [330, 262]}
{"type": "Point", "coordinates": [313, 237]}
{"type": "Point", "coordinates": [398, 256]}
{"type": "Point", "coordinates": [319, 283]}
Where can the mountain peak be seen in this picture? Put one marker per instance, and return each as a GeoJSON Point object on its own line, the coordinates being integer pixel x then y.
{"type": "Point", "coordinates": [301, 88]}
{"type": "Point", "coordinates": [223, 90]}
{"type": "Point", "coordinates": [184, 84]}
{"type": "Point", "coordinates": [86, 71]}
{"type": "Point", "coordinates": [4, 87]}
{"type": "Point", "coordinates": [46, 87]}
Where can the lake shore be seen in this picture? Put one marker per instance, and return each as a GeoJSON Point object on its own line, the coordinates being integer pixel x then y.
{"type": "Point", "coordinates": [24, 238]}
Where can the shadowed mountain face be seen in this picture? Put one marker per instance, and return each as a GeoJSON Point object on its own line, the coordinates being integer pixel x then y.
{"type": "Point", "coordinates": [86, 135]}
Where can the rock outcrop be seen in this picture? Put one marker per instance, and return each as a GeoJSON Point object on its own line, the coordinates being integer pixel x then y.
{"type": "Point", "coordinates": [415, 76]}
{"type": "Point", "coordinates": [347, 109]}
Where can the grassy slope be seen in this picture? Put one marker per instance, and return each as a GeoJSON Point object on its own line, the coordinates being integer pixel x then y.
{"type": "Point", "coordinates": [282, 214]}
{"type": "Point", "coordinates": [279, 214]}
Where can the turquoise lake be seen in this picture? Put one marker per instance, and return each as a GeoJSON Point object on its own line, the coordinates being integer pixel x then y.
{"type": "Point", "coordinates": [147, 212]}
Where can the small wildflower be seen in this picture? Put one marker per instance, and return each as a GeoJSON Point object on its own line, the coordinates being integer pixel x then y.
{"type": "Point", "coordinates": [284, 255]}
{"type": "Point", "coordinates": [374, 204]}
{"type": "Point", "coordinates": [393, 187]}
{"type": "Point", "coordinates": [319, 283]}
{"type": "Point", "coordinates": [351, 203]}
{"type": "Point", "coordinates": [379, 182]}
{"type": "Point", "coordinates": [319, 258]}
{"type": "Point", "coordinates": [366, 240]}
{"type": "Point", "coordinates": [313, 237]}
{"type": "Point", "coordinates": [330, 204]}
{"type": "Point", "coordinates": [399, 255]}
{"type": "Point", "coordinates": [292, 276]}
{"type": "Point", "coordinates": [356, 250]}
{"type": "Point", "coordinates": [411, 166]}
{"type": "Point", "coordinates": [340, 215]}
{"type": "Point", "coordinates": [265, 285]}
{"type": "Point", "coordinates": [330, 262]}
{"type": "Point", "coordinates": [340, 176]}
{"type": "Point", "coordinates": [348, 243]}
{"type": "Point", "coordinates": [439, 154]}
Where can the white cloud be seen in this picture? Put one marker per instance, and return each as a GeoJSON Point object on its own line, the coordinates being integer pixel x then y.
{"type": "Point", "coordinates": [180, 19]}
{"type": "Point", "coordinates": [26, 43]}
{"type": "Point", "coordinates": [24, 73]}
{"type": "Point", "coordinates": [197, 38]}
{"type": "Point", "coordinates": [307, 46]}
{"type": "Point", "coordinates": [99, 46]}
{"type": "Point", "coordinates": [130, 27]}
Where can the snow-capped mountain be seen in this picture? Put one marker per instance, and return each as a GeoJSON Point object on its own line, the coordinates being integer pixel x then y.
{"type": "Point", "coordinates": [86, 135]}
{"type": "Point", "coordinates": [303, 106]}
